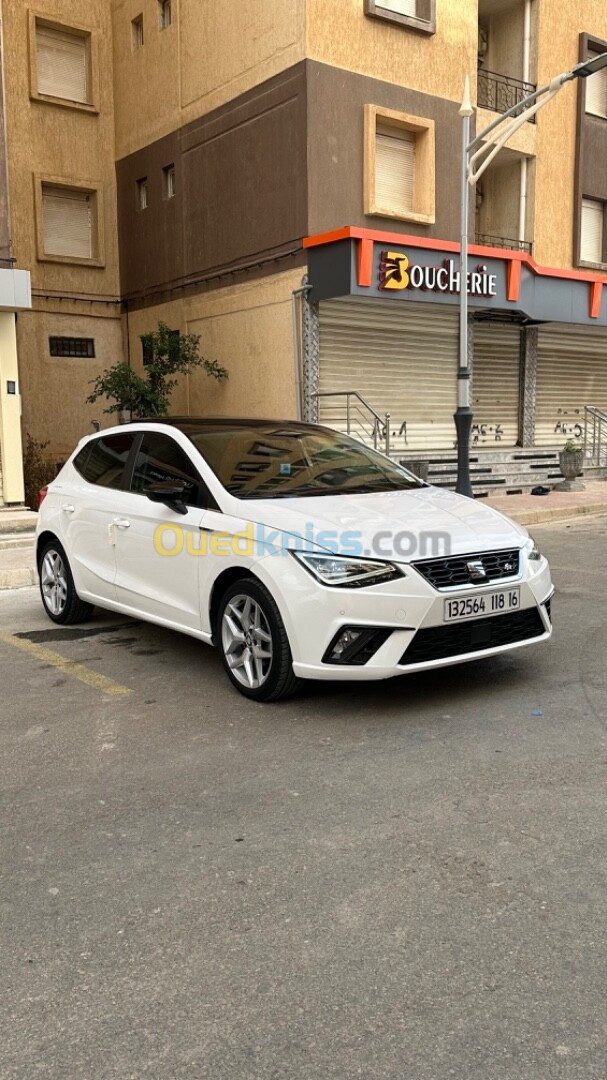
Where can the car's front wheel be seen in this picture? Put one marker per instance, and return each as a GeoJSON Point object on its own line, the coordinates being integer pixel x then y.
{"type": "Point", "coordinates": [61, 601]}
{"type": "Point", "coordinates": [253, 642]}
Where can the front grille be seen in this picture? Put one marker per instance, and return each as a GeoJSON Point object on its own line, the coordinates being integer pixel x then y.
{"type": "Point", "coordinates": [548, 606]}
{"type": "Point", "coordinates": [441, 642]}
{"type": "Point", "coordinates": [452, 571]}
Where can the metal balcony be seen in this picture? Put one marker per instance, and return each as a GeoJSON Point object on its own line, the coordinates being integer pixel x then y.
{"type": "Point", "coordinates": [501, 92]}
{"type": "Point", "coordinates": [504, 242]}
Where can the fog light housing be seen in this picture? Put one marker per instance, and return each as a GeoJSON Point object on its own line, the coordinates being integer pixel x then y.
{"type": "Point", "coordinates": [355, 645]}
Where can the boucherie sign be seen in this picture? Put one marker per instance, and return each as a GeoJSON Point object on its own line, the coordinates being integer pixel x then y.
{"type": "Point", "coordinates": [396, 273]}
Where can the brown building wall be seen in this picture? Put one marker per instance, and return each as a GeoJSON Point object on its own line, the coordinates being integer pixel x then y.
{"type": "Point", "coordinates": [336, 101]}
{"type": "Point", "coordinates": [591, 151]}
{"type": "Point", "coordinates": [241, 192]}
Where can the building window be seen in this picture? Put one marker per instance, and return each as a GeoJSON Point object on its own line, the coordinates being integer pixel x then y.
{"type": "Point", "coordinates": [399, 165]}
{"type": "Point", "coordinates": [168, 182]}
{"type": "Point", "coordinates": [142, 193]}
{"type": "Point", "coordinates": [137, 32]}
{"type": "Point", "coordinates": [592, 231]}
{"type": "Point", "coordinates": [70, 346]}
{"type": "Point", "coordinates": [63, 63]}
{"type": "Point", "coordinates": [415, 14]}
{"type": "Point", "coordinates": [165, 13]}
{"type": "Point", "coordinates": [596, 92]}
{"type": "Point", "coordinates": [68, 222]}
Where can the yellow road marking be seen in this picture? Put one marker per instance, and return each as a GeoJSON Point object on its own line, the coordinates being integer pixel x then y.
{"type": "Point", "coordinates": [70, 667]}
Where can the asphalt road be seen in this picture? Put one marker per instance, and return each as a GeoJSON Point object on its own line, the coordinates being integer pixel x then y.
{"type": "Point", "coordinates": [403, 880]}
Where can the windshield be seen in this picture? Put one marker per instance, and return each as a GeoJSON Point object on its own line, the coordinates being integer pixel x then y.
{"type": "Point", "coordinates": [274, 462]}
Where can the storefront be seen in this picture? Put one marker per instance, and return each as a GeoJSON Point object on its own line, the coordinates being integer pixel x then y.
{"type": "Point", "coordinates": [388, 333]}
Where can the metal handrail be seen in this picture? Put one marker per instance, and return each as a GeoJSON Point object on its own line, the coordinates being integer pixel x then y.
{"type": "Point", "coordinates": [595, 435]}
{"type": "Point", "coordinates": [487, 240]}
{"type": "Point", "coordinates": [501, 92]}
{"type": "Point", "coordinates": [381, 425]}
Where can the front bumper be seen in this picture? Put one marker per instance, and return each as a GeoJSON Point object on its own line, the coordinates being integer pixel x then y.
{"type": "Point", "coordinates": [314, 615]}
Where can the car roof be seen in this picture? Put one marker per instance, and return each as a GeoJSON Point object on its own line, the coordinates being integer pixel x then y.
{"type": "Point", "coordinates": [193, 425]}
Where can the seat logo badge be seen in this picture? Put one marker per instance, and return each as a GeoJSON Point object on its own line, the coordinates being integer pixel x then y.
{"type": "Point", "coordinates": [508, 566]}
{"type": "Point", "coordinates": [477, 571]}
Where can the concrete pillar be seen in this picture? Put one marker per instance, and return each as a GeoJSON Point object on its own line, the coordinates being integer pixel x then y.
{"type": "Point", "coordinates": [11, 452]}
{"type": "Point", "coordinates": [311, 359]}
{"type": "Point", "coordinates": [528, 379]}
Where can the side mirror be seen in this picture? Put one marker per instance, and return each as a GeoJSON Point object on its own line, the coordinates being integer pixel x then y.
{"type": "Point", "coordinates": [168, 492]}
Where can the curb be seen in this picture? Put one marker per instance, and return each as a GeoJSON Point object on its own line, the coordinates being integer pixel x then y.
{"type": "Point", "coordinates": [537, 517]}
{"type": "Point", "coordinates": [18, 578]}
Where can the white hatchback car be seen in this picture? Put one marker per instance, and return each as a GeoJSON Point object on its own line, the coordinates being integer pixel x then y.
{"type": "Point", "coordinates": [296, 550]}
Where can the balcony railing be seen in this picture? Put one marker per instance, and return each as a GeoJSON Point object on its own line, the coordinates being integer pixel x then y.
{"type": "Point", "coordinates": [504, 242]}
{"type": "Point", "coordinates": [501, 92]}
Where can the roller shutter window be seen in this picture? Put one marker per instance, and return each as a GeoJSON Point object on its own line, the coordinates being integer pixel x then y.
{"type": "Point", "coordinates": [394, 169]}
{"type": "Point", "coordinates": [400, 357]}
{"type": "Point", "coordinates": [496, 385]}
{"type": "Point", "coordinates": [591, 237]}
{"type": "Point", "coordinates": [62, 64]}
{"type": "Point", "coordinates": [400, 7]}
{"type": "Point", "coordinates": [596, 93]}
{"type": "Point", "coordinates": [67, 222]}
{"type": "Point", "coordinates": [571, 373]}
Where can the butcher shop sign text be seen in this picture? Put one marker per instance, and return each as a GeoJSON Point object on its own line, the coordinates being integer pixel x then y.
{"type": "Point", "coordinates": [396, 272]}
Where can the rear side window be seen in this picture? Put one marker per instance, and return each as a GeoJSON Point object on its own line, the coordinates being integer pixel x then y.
{"type": "Point", "coordinates": [160, 458]}
{"type": "Point", "coordinates": [102, 461]}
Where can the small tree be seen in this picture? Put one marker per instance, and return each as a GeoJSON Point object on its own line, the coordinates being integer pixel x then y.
{"type": "Point", "coordinates": [167, 354]}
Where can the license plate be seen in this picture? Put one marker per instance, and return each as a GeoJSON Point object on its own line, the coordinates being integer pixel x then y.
{"type": "Point", "coordinates": [482, 604]}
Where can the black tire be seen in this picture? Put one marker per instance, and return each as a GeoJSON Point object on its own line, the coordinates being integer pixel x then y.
{"type": "Point", "coordinates": [279, 681]}
{"type": "Point", "coordinates": [73, 610]}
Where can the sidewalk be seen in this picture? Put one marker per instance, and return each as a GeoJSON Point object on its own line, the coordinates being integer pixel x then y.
{"type": "Point", "coordinates": [17, 562]}
{"type": "Point", "coordinates": [533, 509]}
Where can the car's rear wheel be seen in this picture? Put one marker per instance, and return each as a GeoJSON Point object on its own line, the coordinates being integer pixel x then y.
{"type": "Point", "coordinates": [61, 601]}
{"type": "Point", "coordinates": [253, 642]}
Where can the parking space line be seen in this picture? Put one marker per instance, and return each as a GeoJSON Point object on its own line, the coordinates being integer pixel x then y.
{"type": "Point", "coordinates": [69, 667]}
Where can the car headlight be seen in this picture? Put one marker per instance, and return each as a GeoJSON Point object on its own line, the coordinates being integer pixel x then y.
{"type": "Point", "coordinates": [533, 551]}
{"type": "Point", "coordinates": [347, 573]}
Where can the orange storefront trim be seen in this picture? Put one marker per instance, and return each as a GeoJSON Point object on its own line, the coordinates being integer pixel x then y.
{"type": "Point", "coordinates": [515, 259]}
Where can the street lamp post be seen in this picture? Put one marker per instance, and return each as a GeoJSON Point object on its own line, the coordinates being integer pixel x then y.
{"type": "Point", "coordinates": [477, 154]}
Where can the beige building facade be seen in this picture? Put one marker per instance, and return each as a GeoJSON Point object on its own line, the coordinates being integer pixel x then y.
{"type": "Point", "coordinates": [169, 161]}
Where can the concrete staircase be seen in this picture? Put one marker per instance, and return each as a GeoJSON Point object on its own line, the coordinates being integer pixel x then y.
{"type": "Point", "coordinates": [500, 472]}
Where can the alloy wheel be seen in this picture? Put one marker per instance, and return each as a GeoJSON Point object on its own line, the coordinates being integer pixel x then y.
{"type": "Point", "coordinates": [53, 579]}
{"type": "Point", "coordinates": [247, 641]}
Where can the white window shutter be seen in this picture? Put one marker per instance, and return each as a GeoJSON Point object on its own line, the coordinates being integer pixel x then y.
{"type": "Point", "coordinates": [62, 64]}
{"type": "Point", "coordinates": [400, 7]}
{"type": "Point", "coordinates": [67, 222]}
{"type": "Point", "coordinates": [596, 93]}
{"type": "Point", "coordinates": [591, 240]}
{"type": "Point", "coordinates": [394, 171]}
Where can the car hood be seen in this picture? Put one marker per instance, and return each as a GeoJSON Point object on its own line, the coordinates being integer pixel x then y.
{"type": "Point", "coordinates": [421, 523]}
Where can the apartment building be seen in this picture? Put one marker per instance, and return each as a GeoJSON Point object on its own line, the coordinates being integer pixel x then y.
{"type": "Point", "coordinates": [282, 178]}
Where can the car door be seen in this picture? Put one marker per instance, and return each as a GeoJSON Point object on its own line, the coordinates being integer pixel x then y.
{"type": "Point", "coordinates": [156, 573]}
{"type": "Point", "coordinates": [88, 509]}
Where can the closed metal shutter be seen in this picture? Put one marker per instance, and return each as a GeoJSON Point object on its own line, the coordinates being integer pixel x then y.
{"type": "Point", "coordinates": [591, 241]}
{"type": "Point", "coordinates": [394, 170]}
{"type": "Point", "coordinates": [402, 7]}
{"type": "Point", "coordinates": [402, 358]}
{"type": "Point", "coordinates": [596, 93]}
{"type": "Point", "coordinates": [62, 64]}
{"type": "Point", "coordinates": [67, 222]}
{"type": "Point", "coordinates": [571, 373]}
{"type": "Point", "coordinates": [496, 384]}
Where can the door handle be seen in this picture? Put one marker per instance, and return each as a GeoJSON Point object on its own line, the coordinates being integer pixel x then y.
{"type": "Point", "coordinates": [69, 509]}
{"type": "Point", "coordinates": [122, 523]}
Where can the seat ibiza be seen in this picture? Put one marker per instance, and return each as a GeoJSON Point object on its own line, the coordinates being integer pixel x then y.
{"type": "Point", "coordinates": [297, 551]}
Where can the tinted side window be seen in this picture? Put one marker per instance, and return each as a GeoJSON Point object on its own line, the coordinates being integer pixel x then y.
{"type": "Point", "coordinates": [160, 458]}
{"type": "Point", "coordinates": [81, 458]}
{"type": "Point", "coordinates": [106, 460]}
